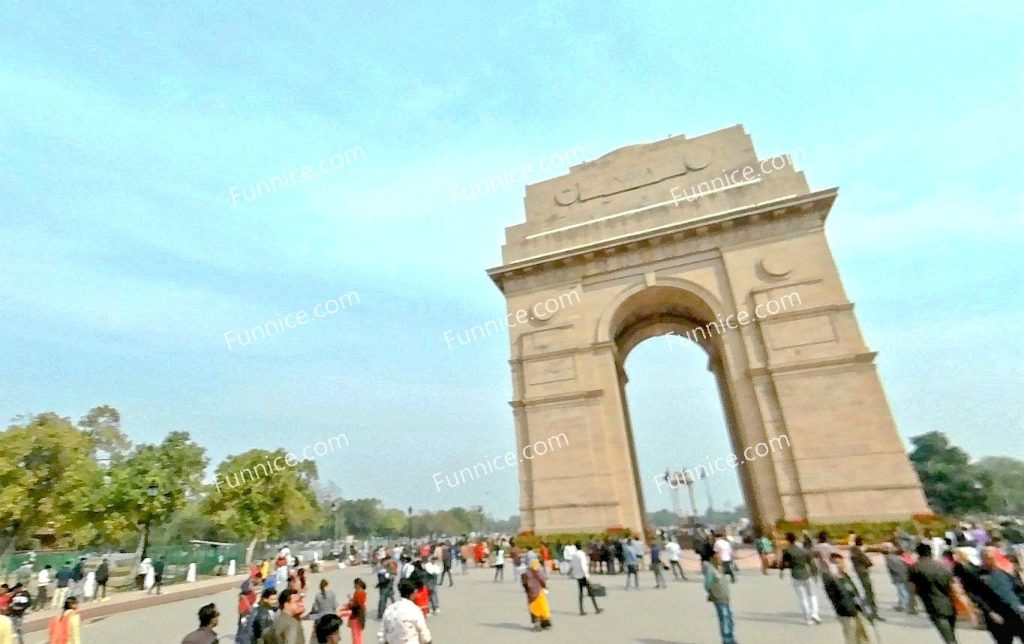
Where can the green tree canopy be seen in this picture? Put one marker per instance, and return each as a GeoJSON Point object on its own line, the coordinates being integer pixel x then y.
{"type": "Point", "coordinates": [258, 502]}
{"type": "Point", "coordinates": [1007, 474]}
{"type": "Point", "coordinates": [149, 485]}
{"type": "Point", "coordinates": [952, 484]}
{"type": "Point", "coordinates": [45, 463]}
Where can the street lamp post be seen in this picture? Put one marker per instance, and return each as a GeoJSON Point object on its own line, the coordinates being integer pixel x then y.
{"type": "Point", "coordinates": [152, 492]}
{"type": "Point", "coordinates": [410, 526]}
{"type": "Point", "coordinates": [334, 532]}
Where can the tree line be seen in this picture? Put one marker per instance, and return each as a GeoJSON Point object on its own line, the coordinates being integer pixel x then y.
{"type": "Point", "coordinates": [83, 484]}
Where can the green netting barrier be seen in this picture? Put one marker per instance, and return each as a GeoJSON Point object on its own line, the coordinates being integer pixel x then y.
{"type": "Point", "coordinates": [209, 560]}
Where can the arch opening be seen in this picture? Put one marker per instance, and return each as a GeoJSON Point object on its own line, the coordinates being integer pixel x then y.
{"type": "Point", "coordinates": [681, 419]}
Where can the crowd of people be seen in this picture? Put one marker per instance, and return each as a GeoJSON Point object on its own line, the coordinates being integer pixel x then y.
{"type": "Point", "coordinates": [968, 575]}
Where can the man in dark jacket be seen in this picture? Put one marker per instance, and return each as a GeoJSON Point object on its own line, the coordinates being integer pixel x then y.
{"type": "Point", "coordinates": [846, 600]}
{"type": "Point", "coordinates": [932, 581]}
{"type": "Point", "coordinates": [446, 563]}
{"type": "Point", "coordinates": [861, 565]}
{"type": "Point", "coordinates": [287, 629]}
{"type": "Point", "coordinates": [262, 616]}
{"type": "Point", "coordinates": [801, 565]}
{"type": "Point", "coordinates": [102, 577]}
{"type": "Point", "coordinates": [20, 603]}
{"type": "Point", "coordinates": [158, 576]}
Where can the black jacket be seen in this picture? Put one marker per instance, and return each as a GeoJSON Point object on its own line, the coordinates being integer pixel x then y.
{"type": "Point", "coordinates": [932, 583]}
{"type": "Point", "coordinates": [842, 593]}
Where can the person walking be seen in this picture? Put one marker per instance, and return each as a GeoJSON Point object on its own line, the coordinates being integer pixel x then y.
{"type": "Point", "coordinates": [535, 585]}
{"type": "Point", "coordinates": [933, 584]}
{"type": "Point", "coordinates": [861, 566]}
{"type": "Point", "coordinates": [76, 587]}
{"type": "Point", "coordinates": [385, 587]}
{"type": "Point", "coordinates": [327, 630]}
{"type": "Point", "coordinates": [64, 577]}
{"type": "Point", "coordinates": [717, 588]}
{"type": "Point", "coordinates": [447, 556]}
{"type": "Point", "coordinates": [899, 575]}
{"type": "Point", "coordinates": [723, 548]}
{"type": "Point", "coordinates": [845, 600]}
{"type": "Point", "coordinates": [42, 587]}
{"type": "Point", "coordinates": [158, 576]}
{"type": "Point", "coordinates": [764, 548]}
{"type": "Point", "coordinates": [433, 578]}
{"type": "Point", "coordinates": [656, 565]}
{"type": "Point", "coordinates": [325, 602]}
{"type": "Point", "coordinates": [580, 571]}
{"type": "Point", "coordinates": [357, 611]}
{"type": "Point", "coordinates": [998, 616]}
{"type": "Point", "coordinates": [66, 627]}
{"type": "Point", "coordinates": [997, 572]}
{"type": "Point", "coordinates": [800, 565]}
{"type": "Point", "coordinates": [287, 629]}
{"type": "Point", "coordinates": [499, 563]}
{"type": "Point", "coordinates": [629, 554]}
{"type": "Point", "coordinates": [674, 552]}
{"type": "Point", "coordinates": [403, 622]}
{"type": "Point", "coordinates": [261, 619]}
{"type": "Point", "coordinates": [207, 622]}
{"type": "Point", "coordinates": [21, 601]}
{"type": "Point", "coordinates": [102, 577]}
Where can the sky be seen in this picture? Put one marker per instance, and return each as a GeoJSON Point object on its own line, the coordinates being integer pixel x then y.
{"type": "Point", "coordinates": [128, 132]}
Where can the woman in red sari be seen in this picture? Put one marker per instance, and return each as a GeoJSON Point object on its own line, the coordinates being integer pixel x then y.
{"type": "Point", "coordinates": [357, 609]}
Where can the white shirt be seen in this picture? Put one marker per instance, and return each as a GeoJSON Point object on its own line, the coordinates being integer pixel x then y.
{"type": "Point", "coordinates": [44, 577]}
{"type": "Point", "coordinates": [723, 548]}
{"type": "Point", "coordinates": [407, 570]}
{"type": "Point", "coordinates": [673, 550]}
{"type": "Point", "coordinates": [499, 557]}
{"type": "Point", "coordinates": [580, 563]}
{"type": "Point", "coordinates": [568, 552]}
{"type": "Point", "coordinates": [403, 623]}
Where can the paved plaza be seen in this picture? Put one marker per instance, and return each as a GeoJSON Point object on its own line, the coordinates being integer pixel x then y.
{"type": "Point", "coordinates": [478, 610]}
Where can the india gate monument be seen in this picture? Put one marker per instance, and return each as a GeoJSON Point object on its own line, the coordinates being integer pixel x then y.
{"type": "Point", "coordinates": [689, 236]}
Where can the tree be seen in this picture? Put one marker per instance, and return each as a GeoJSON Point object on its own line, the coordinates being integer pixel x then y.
{"type": "Point", "coordinates": [1007, 474]}
{"type": "Point", "coordinates": [45, 465]}
{"type": "Point", "coordinates": [270, 503]}
{"type": "Point", "coordinates": [103, 425]}
{"type": "Point", "coordinates": [149, 485]}
{"type": "Point", "coordinates": [952, 484]}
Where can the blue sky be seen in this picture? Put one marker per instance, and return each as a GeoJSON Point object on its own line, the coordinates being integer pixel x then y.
{"type": "Point", "coordinates": [123, 128]}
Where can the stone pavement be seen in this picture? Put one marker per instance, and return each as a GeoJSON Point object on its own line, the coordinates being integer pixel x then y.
{"type": "Point", "coordinates": [478, 610]}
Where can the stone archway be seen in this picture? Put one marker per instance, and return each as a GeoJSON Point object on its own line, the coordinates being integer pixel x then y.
{"type": "Point", "coordinates": [643, 262]}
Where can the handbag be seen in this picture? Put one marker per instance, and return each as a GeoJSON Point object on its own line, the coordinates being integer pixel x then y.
{"type": "Point", "coordinates": [597, 590]}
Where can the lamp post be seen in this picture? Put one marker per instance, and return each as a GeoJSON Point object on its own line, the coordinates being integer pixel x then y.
{"type": "Point", "coordinates": [410, 526]}
{"type": "Point", "coordinates": [334, 533]}
{"type": "Point", "coordinates": [152, 491]}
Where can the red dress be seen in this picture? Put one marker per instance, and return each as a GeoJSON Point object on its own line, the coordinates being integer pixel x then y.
{"type": "Point", "coordinates": [422, 599]}
{"type": "Point", "coordinates": [357, 621]}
